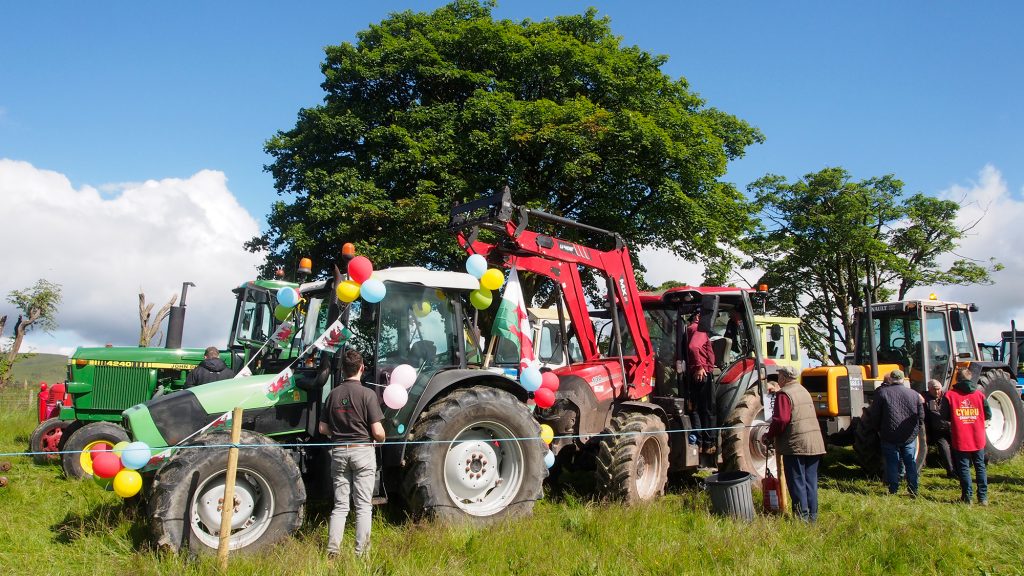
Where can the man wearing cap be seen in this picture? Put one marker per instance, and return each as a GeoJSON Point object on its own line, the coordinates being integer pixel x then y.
{"type": "Point", "coordinates": [937, 427]}
{"type": "Point", "coordinates": [897, 412]}
{"type": "Point", "coordinates": [794, 430]}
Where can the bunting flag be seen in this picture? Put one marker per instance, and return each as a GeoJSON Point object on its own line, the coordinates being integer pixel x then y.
{"type": "Point", "coordinates": [512, 323]}
{"type": "Point", "coordinates": [333, 337]}
{"type": "Point", "coordinates": [281, 383]}
{"type": "Point", "coordinates": [160, 457]}
{"type": "Point", "coordinates": [221, 420]}
{"type": "Point", "coordinates": [283, 333]}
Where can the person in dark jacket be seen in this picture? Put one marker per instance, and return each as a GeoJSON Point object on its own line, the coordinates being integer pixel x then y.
{"type": "Point", "coordinates": [795, 432]}
{"type": "Point", "coordinates": [897, 412]}
{"type": "Point", "coordinates": [938, 428]}
{"type": "Point", "coordinates": [211, 369]}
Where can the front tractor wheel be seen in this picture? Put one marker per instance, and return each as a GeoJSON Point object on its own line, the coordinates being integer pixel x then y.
{"type": "Point", "coordinates": [188, 490]}
{"type": "Point", "coordinates": [77, 462]}
{"type": "Point", "coordinates": [477, 456]}
{"type": "Point", "coordinates": [1005, 432]}
{"type": "Point", "coordinates": [45, 440]}
{"type": "Point", "coordinates": [632, 460]}
{"type": "Point", "coordinates": [742, 448]}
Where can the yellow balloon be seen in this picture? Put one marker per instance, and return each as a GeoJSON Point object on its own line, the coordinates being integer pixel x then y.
{"type": "Point", "coordinates": [348, 291]}
{"type": "Point", "coordinates": [492, 279]}
{"type": "Point", "coordinates": [421, 310]}
{"type": "Point", "coordinates": [127, 483]}
{"type": "Point", "coordinates": [546, 433]}
{"type": "Point", "coordinates": [119, 447]}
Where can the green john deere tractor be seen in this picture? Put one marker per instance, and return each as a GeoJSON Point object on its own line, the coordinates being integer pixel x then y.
{"type": "Point", "coordinates": [103, 382]}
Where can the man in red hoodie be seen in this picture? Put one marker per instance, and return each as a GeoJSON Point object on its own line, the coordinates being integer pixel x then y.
{"type": "Point", "coordinates": [967, 410]}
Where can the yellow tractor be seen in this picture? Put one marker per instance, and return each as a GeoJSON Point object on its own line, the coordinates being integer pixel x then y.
{"type": "Point", "coordinates": [926, 339]}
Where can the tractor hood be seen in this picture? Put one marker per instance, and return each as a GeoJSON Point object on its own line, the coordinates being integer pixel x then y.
{"type": "Point", "coordinates": [137, 357]}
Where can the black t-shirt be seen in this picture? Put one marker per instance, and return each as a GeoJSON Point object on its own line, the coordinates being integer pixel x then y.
{"type": "Point", "coordinates": [349, 412]}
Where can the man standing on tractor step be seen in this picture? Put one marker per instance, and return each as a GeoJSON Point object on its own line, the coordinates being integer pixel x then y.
{"type": "Point", "coordinates": [794, 430]}
{"type": "Point", "coordinates": [351, 415]}
{"type": "Point", "coordinates": [211, 369]}
{"type": "Point", "coordinates": [968, 412]}
{"type": "Point", "coordinates": [700, 363]}
{"type": "Point", "coordinates": [897, 412]}
{"type": "Point", "coordinates": [937, 427]}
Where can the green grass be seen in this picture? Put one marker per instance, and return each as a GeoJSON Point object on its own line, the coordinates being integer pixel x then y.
{"type": "Point", "coordinates": [36, 368]}
{"type": "Point", "coordinates": [53, 526]}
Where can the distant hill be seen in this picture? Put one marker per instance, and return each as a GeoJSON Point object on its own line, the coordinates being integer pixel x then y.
{"type": "Point", "coordinates": [40, 368]}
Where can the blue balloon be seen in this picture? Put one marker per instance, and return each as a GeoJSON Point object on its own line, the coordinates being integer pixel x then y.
{"type": "Point", "coordinates": [136, 455]}
{"type": "Point", "coordinates": [287, 297]}
{"type": "Point", "coordinates": [549, 459]}
{"type": "Point", "coordinates": [531, 379]}
{"type": "Point", "coordinates": [372, 290]}
{"type": "Point", "coordinates": [476, 265]}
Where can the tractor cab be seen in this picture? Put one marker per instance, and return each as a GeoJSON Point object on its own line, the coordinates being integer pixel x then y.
{"type": "Point", "coordinates": [254, 322]}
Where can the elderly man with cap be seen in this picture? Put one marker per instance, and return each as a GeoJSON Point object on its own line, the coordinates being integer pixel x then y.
{"type": "Point", "coordinates": [797, 437]}
{"type": "Point", "coordinates": [897, 413]}
{"type": "Point", "coordinates": [937, 427]}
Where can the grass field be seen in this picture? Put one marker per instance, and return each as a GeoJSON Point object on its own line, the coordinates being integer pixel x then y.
{"type": "Point", "coordinates": [36, 368]}
{"type": "Point", "coordinates": [53, 526]}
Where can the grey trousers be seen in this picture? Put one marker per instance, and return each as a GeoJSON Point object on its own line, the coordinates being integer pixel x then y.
{"type": "Point", "coordinates": [353, 471]}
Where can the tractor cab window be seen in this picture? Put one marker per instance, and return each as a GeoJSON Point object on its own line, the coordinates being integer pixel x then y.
{"type": "Point", "coordinates": [314, 320]}
{"type": "Point", "coordinates": [794, 344]}
{"type": "Point", "coordinates": [417, 327]}
{"type": "Point", "coordinates": [775, 348]}
{"type": "Point", "coordinates": [938, 346]}
{"type": "Point", "coordinates": [898, 338]}
{"type": "Point", "coordinates": [254, 316]}
{"type": "Point", "coordinates": [963, 338]}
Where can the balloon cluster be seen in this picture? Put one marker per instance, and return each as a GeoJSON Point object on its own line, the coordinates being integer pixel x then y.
{"type": "Point", "coordinates": [542, 385]}
{"type": "Point", "coordinates": [117, 468]}
{"type": "Point", "coordinates": [547, 434]}
{"type": "Point", "coordinates": [490, 279]}
{"type": "Point", "coordinates": [396, 394]}
{"type": "Point", "coordinates": [287, 299]}
{"type": "Point", "coordinates": [360, 283]}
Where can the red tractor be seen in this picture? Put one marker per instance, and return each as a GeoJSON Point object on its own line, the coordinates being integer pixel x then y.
{"type": "Point", "coordinates": [46, 437]}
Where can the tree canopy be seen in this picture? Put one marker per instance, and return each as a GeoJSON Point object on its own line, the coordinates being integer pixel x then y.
{"type": "Point", "coordinates": [825, 238]}
{"type": "Point", "coordinates": [37, 306]}
{"type": "Point", "coordinates": [431, 108]}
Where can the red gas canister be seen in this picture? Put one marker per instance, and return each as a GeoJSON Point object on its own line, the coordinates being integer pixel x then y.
{"type": "Point", "coordinates": [770, 493]}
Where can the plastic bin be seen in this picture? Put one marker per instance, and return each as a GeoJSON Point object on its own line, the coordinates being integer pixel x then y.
{"type": "Point", "coordinates": [731, 494]}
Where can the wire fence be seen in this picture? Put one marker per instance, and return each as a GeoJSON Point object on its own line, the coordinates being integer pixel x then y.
{"type": "Point", "coordinates": [18, 396]}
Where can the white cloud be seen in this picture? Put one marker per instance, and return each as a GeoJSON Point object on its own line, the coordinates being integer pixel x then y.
{"type": "Point", "coordinates": [999, 215]}
{"type": "Point", "coordinates": [102, 247]}
{"type": "Point", "coordinates": [663, 265]}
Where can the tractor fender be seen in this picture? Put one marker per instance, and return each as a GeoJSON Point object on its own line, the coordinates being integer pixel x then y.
{"type": "Point", "coordinates": [640, 407]}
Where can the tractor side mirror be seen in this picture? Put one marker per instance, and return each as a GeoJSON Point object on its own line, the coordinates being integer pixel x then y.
{"type": "Point", "coordinates": [956, 322]}
{"type": "Point", "coordinates": [776, 332]}
{"type": "Point", "coordinates": [708, 312]}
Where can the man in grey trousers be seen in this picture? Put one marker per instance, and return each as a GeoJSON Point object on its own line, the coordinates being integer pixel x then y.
{"type": "Point", "coordinates": [351, 417]}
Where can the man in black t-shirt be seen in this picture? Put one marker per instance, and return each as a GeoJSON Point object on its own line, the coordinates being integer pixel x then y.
{"type": "Point", "coordinates": [351, 417]}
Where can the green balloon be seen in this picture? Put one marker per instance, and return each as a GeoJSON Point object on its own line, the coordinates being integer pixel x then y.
{"type": "Point", "coordinates": [481, 298]}
{"type": "Point", "coordinates": [105, 483]}
{"type": "Point", "coordinates": [280, 312]}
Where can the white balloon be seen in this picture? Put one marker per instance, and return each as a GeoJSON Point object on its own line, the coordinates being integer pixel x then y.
{"type": "Point", "coordinates": [404, 375]}
{"type": "Point", "coordinates": [395, 396]}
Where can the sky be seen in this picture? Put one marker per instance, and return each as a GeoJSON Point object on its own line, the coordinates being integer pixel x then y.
{"type": "Point", "coordinates": [131, 134]}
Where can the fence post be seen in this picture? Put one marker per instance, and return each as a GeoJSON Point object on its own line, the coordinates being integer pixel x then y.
{"type": "Point", "coordinates": [227, 508]}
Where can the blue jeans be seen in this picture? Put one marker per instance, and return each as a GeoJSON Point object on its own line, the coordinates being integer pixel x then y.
{"type": "Point", "coordinates": [964, 460]}
{"type": "Point", "coordinates": [895, 454]}
{"type": "Point", "coordinates": [802, 482]}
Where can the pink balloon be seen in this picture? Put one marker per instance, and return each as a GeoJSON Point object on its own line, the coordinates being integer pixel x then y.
{"type": "Point", "coordinates": [549, 380]}
{"type": "Point", "coordinates": [395, 396]}
{"type": "Point", "coordinates": [404, 375]}
{"type": "Point", "coordinates": [359, 269]}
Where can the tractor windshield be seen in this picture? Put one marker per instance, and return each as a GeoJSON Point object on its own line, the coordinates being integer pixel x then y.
{"type": "Point", "coordinates": [254, 316]}
{"type": "Point", "coordinates": [897, 337]}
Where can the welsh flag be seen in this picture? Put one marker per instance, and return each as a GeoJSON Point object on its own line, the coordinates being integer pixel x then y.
{"type": "Point", "coordinates": [333, 337]}
{"type": "Point", "coordinates": [512, 322]}
{"type": "Point", "coordinates": [283, 333]}
{"type": "Point", "coordinates": [281, 383]}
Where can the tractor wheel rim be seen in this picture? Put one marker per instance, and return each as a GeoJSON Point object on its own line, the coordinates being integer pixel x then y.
{"type": "Point", "coordinates": [484, 468]}
{"type": "Point", "coordinates": [759, 456]}
{"type": "Point", "coordinates": [51, 439]}
{"type": "Point", "coordinates": [648, 468]}
{"type": "Point", "coordinates": [1002, 429]}
{"type": "Point", "coordinates": [85, 458]}
{"type": "Point", "coordinates": [254, 509]}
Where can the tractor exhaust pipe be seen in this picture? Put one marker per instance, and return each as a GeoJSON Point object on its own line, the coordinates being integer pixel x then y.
{"type": "Point", "coordinates": [176, 319]}
{"type": "Point", "coordinates": [872, 344]}
{"type": "Point", "coordinates": [1012, 362]}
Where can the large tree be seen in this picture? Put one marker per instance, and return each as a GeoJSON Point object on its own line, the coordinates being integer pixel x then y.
{"type": "Point", "coordinates": [824, 239]}
{"type": "Point", "coordinates": [427, 109]}
{"type": "Point", "coordinates": [37, 307]}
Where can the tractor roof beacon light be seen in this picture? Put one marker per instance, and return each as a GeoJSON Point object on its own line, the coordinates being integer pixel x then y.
{"type": "Point", "coordinates": [278, 273]}
{"type": "Point", "coordinates": [932, 296]}
{"type": "Point", "coordinates": [305, 266]}
{"type": "Point", "coordinates": [348, 252]}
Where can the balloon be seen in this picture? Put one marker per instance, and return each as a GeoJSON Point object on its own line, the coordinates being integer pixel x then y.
{"type": "Point", "coordinates": [544, 398]}
{"type": "Point", "coordinates": [348, 291]}
{"type": "Point", "coordinates": [547, 434]}
{"type": "Point", "coordinates": [281, 313]}
{"type": "Point", "coordinates": [119, 447]}
{"type": "Point", "coordinates": [476, 265]}
{"type": "Point", "coordinates": [549, 380]}
{"type": "Point", "coordinates": [359, 269]}
{"type": "Point", "coordinates": [373, 291]}
{"type": "Point", "coordinates": [136, 455]}
{"type": "Point", "coordinates": [549, 459]}
{"type": "Point", "coordinates": [530, 379]}
{"type": "Point", "coordinates": [105, 464]}
{"type": "Point", "coordinates": [127, 483]}
{"type": "Point", "coordinates": [481, 298]}
{"type": "Point", "coordinates": [421, 310]}
{"type": "Point", "coordinates": [288, 297]}
{"type": "Point", "coordinates": [492, 279]}
{"type": "Point", "coordinates": [403, 375]}
{"type": "Point", "coordinates": [105, 483]}
{"type": "Point", "coordinates": [395, 396]}
{"type": "Point", "coordinates": [100, 447]}
{"type": "Point", "coordinates": [440, 294]}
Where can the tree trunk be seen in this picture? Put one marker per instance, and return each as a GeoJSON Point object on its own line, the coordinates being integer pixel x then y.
{"type": "Point", "coordinates": [19, 333]}
{"type": "Point", "coordinates": [149, 329]}
{"type": "Point", "coordinates": [3, 321]}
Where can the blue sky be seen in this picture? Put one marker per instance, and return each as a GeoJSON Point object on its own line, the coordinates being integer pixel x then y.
{"type": "Point", "coordinates": [125, 92]}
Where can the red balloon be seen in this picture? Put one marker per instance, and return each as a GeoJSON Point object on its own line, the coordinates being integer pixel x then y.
{"type": "Point", "coordinates": [549, 380]}
{"type": "Point", "coordinates": [106, 464]}
{"type": "Point", "coordinates": [359, 269]}
{"type": "Point", "coordinates": [544, 397]}
{"type": "Point", "coordinates": [101, 447]}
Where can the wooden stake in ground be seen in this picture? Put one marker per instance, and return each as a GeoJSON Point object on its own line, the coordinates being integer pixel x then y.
{"type": "Point", "coordinates": [228, 503]}
{"type": "Point", "coordinates": [783, 492]}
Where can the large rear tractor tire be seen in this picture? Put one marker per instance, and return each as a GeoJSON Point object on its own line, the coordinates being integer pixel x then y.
{"type": "Point", "coordinates": [45, 440]}
{"type": "Point", "coordinates": [632, 461]}
{"type": "Point", "coordinates": [868, 448]}
{"type": "Point", "coordinates": [478, 456]}
{"type": "Point", "coordinates": [185, 499]}
{"type": "Point", "coordinates": [741, 445]}
{"type": "Point", "coordinates": [1005, 432]}
{"type": "Point", "coordinates": [77, 462]}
